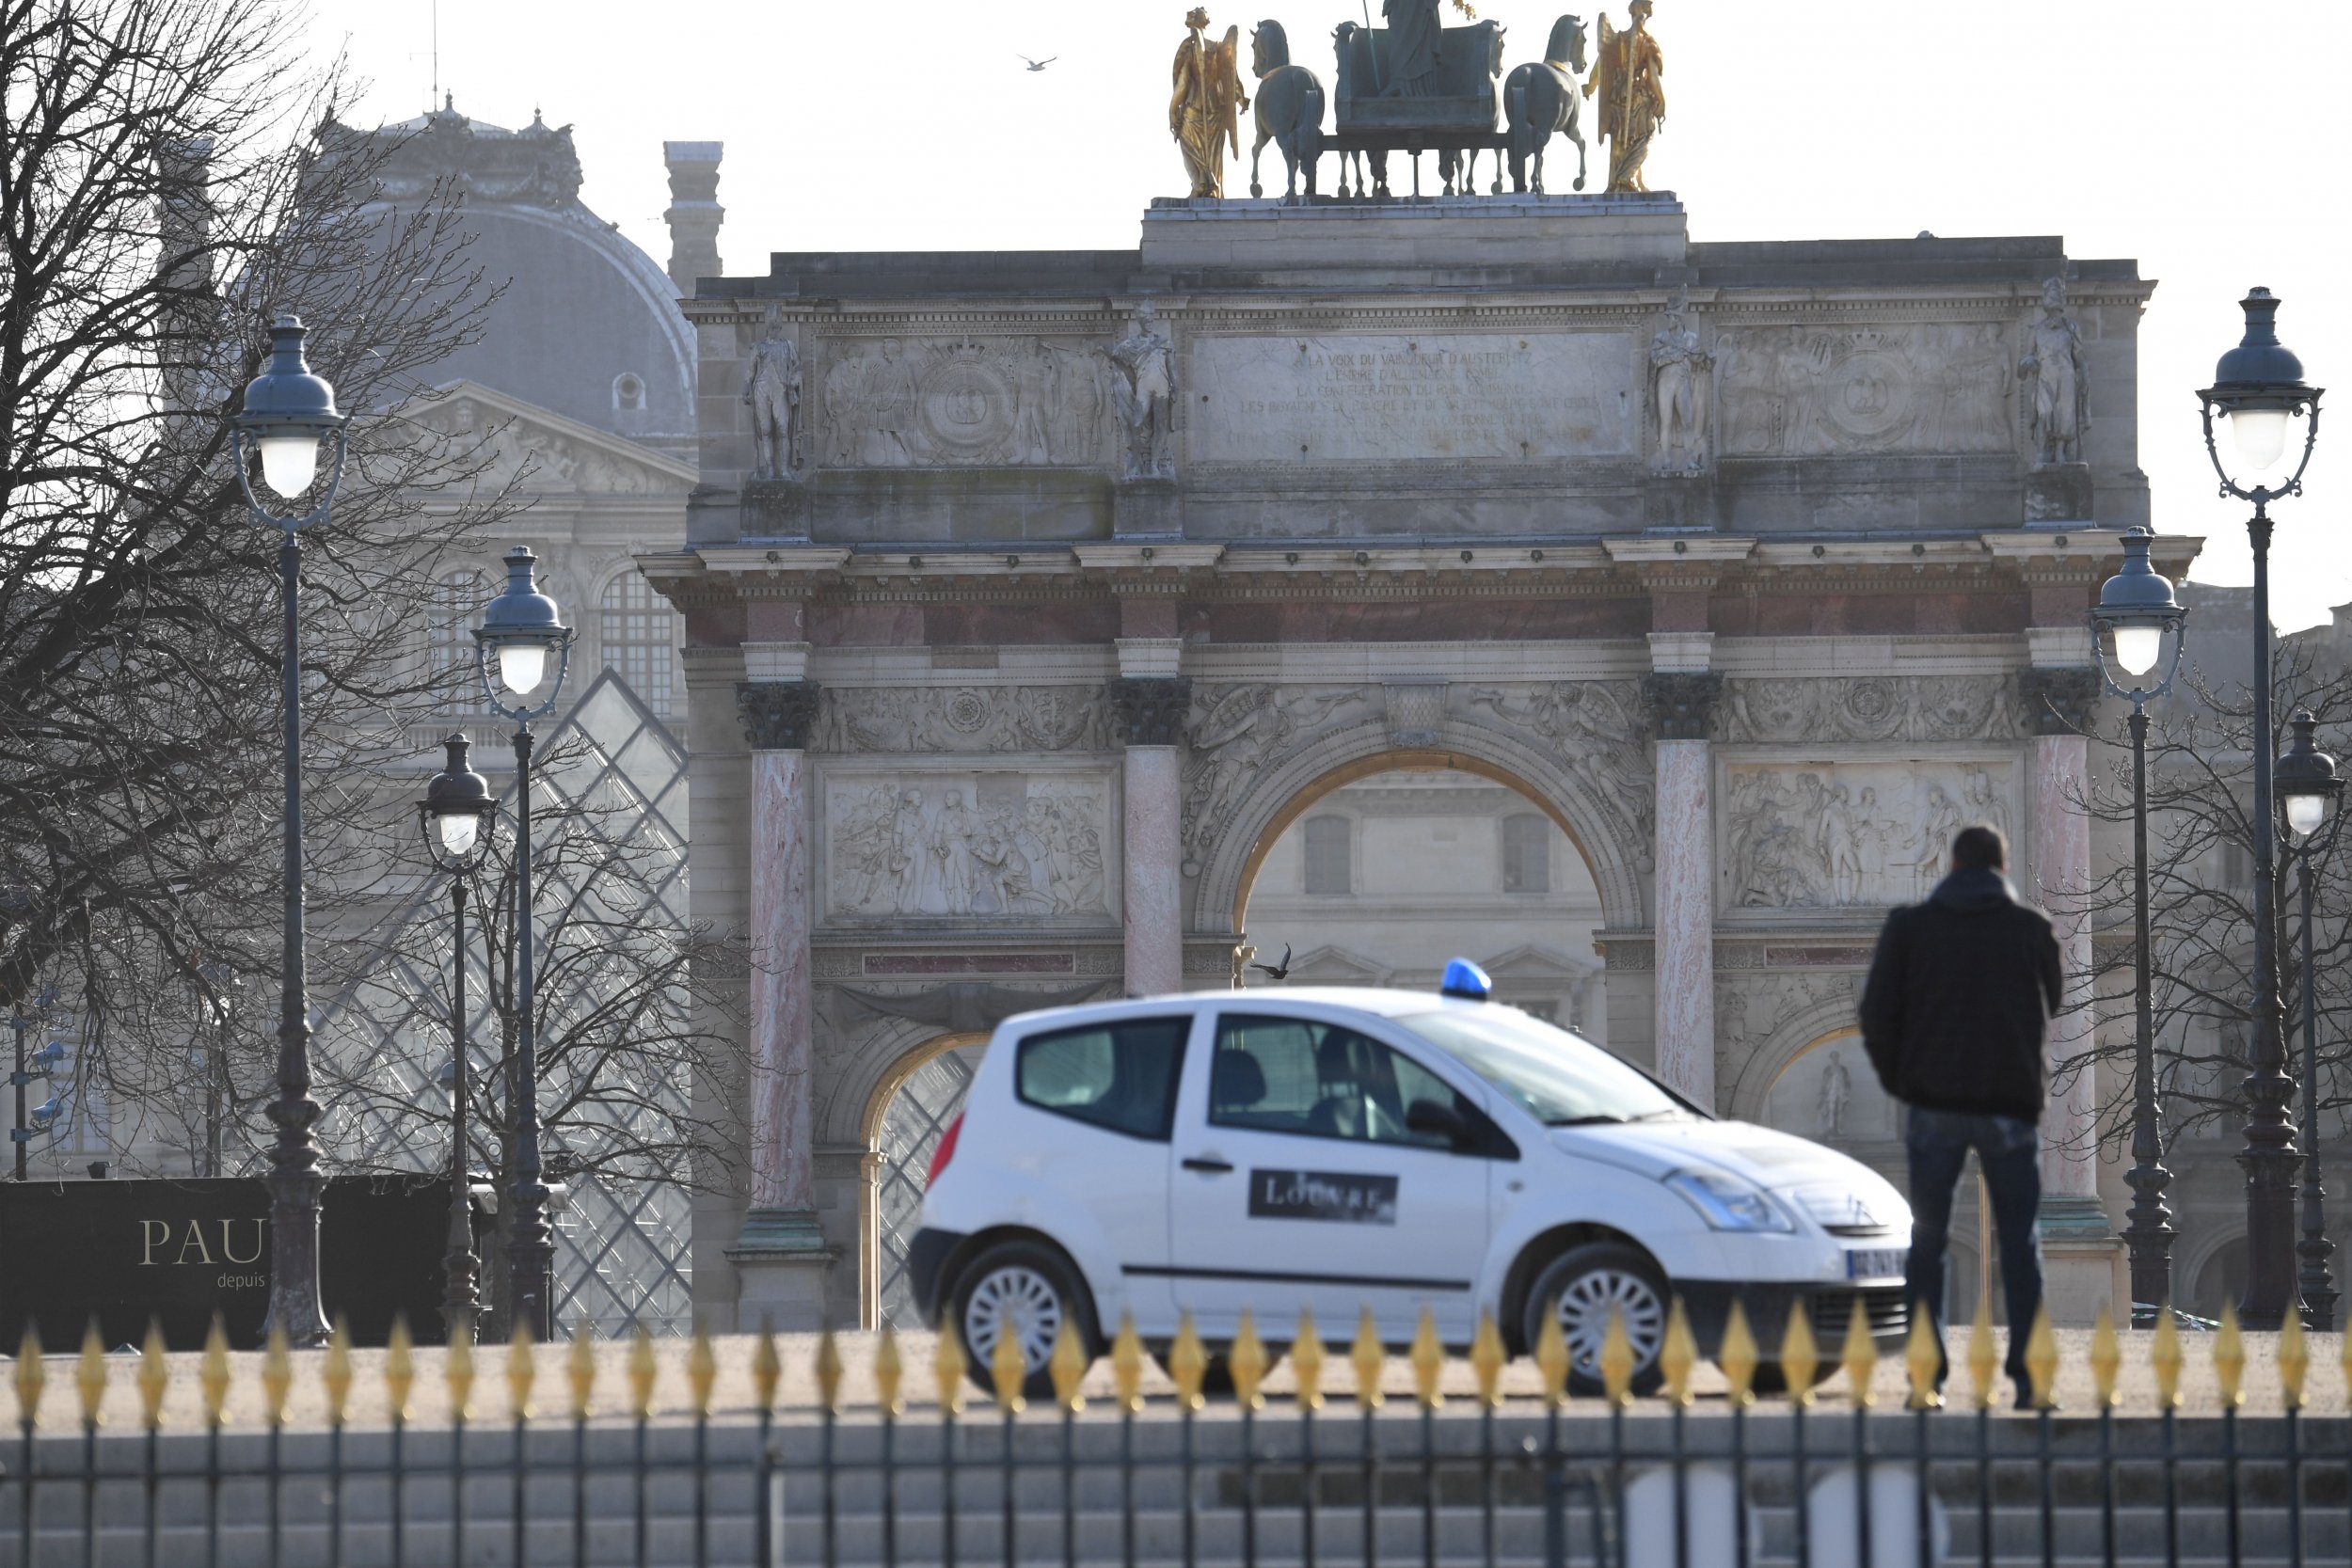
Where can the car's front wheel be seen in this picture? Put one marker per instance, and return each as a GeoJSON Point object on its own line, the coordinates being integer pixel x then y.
{"type": "Point", "coordinates": [1582, 1287]}
{"type": "Point", "coordinates": [1027, 1291]}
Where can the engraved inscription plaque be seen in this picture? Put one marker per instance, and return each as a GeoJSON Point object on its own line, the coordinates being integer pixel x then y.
{"type": "Point", "coordinates": [1427, 396]}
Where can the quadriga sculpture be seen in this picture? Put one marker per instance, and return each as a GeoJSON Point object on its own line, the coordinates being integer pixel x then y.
{"type": "Point", "coordinates": [1540, 101]}
{"type": "Point", "coordinates": [1289, 109]}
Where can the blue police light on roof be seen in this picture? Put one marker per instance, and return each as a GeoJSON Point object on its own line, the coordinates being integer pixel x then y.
{"type": "Point", "coordinates": [1466, 980]}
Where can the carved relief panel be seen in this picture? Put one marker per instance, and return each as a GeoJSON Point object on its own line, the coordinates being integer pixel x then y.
{"type": "Point", "coordinates": [1806, 391]}
{"type": "Point", "coordinates": [952, 843]}
{"type": "Point", "coordinates": [897, 403]}
{"type": "Point", "coordinates": [1818, 835]}
{"type": "Point", "coordinates": [963, 718]}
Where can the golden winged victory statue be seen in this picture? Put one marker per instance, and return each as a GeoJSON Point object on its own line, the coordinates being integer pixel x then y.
{"type": "Point", "coordinates": [1204, 110]}
{"type": "Point", "coordinates": [1627, 78]}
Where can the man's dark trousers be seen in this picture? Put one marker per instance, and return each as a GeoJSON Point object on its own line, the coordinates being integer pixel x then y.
{"type": "Point", "coordinates": [2008, 1151]}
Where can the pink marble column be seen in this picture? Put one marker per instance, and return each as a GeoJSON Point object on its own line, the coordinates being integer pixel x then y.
{"type": "Point", "coordinates": [2061, 870]}
{"type": "Point", "coordinates": [1148, 713]}
{"type": "Point", "coordinates": [1686, 920]}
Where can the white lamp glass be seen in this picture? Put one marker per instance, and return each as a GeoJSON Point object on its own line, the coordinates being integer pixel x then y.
{"type": "Point", "coordinates": [289, 463]}
{"type": "Point", "coordinates": [522, 666]}
{"type": "Point", "coordinates": [2305, 813]}
{"type": "Point", "coordinates": [2260, 436]}
{"type": "Point", "coordinates": [2137, 647]}
{"type": "Point", "coordinates": [460, 831]}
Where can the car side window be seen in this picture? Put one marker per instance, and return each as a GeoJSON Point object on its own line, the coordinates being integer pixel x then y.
{"type": "Point", "coordinates": [1118, 1076]}
{"type": "Point", "coordinates": [1319, 1081]}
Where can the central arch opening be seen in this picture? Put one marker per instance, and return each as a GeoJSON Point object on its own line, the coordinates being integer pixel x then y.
{"type": "Point", "coordinates": [1380, 872]}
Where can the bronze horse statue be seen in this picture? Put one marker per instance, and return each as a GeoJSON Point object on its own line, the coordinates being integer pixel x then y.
{"type": "Point", "coordinates": [1289, 109]}
{"type": "Point", "coordinates": [1540, 101]}
{"type": "Point", "coordinates": [1458, 167]}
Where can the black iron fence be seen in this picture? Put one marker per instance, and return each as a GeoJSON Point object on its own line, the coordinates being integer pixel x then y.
{"type": "Point", "coordinates": [1306, 1477]}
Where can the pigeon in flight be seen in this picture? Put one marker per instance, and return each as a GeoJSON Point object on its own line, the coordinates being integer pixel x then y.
{"type": "Point", "coordinates": [1280, 970]}
{"type": "Point", "coordinates": [1037, 65]}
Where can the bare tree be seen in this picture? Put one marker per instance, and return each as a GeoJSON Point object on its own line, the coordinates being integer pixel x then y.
{"type": "Point", "coordinates": [162, 190]}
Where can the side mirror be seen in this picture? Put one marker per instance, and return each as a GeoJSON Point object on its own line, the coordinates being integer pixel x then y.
{"type": "Point", "coordinates": [1435, 1121]}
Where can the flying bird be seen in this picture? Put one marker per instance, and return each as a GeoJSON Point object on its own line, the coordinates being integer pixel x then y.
{"type": "Point", "coordinates": [1280, 970]}
{"type": "Point", "coordinates": [1037, 65]}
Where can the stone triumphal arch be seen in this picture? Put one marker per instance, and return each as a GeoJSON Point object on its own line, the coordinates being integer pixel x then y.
{"type": "Point", "coordinates": [1029, 598]}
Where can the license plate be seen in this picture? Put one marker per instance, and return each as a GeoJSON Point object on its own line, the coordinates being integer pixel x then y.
{"type": "Point", "coordinates": [1876, 1262]}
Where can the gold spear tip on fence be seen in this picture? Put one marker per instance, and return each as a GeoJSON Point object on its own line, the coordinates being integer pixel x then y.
{"type": "Point", "coordinates": [31, 1374]}
{"type": "Point", "coordinates": [1552, 1360]}
{"type": "Point", "coordinates": [2295, 1360]}
{"type": "Point", "coordinates": [1307, 1359]}
{"type": "Point", "coordinates": [2041, 1360]}
{"type": "Point", "coordinates": [335, 1371]}
{"type": "Point", "coordinates": [1859, 1357]}
{"type": "Point", "coordinates": [580, 1366]}
{"type": "Point", "coordinates": [702, 1371]}
{"type": "Point", "coordinates": [947, 1370]}
{"type": "Point", "coordinates": [2166, 1356]}
{"type": "Point", "coordinates": [1187, 1363]}
{"type": "Point", "coordinates": [2106, 1360]}
{"type": "Point", "coordinates": [1738, 1354]}
{"type": "Point", "coordinates": [1008, 1368]}
{"type": "Point", "coordinates": [889, 1372]}
{"type": "Point", "coordinates": [1677, 1352]}
{"type": "Point", "coordinates": [1923, 1359]}
{"type": "Point", "coordinates": [1983, 1360]}
{"type": "Point", "coordinates": [1487, 1359]}
{"type": "Point", "coordinates": [277, 1375]}
{"type": "Point", "coordinates": [457, 1371]}
{"type": "Point", "coordinates": [522, 1371]}
{"type": "Point", "coordinates": [155, 1378]}
{"type": "Point", "coordinates": [89, 1375]}
{"type": "Point", "coordinates": [1800, 1354]}
{"type": "Point", "coordinates": [1127, 1365]}
{"type": "Point", "coordinates": [767, 1367]}
{"type": "Point", "coordinates": [1428, 1359]}
{"type": "Point", "coordinates": [1246, 1360]}
{"type": "Point", "coordinates": [1616, 1360]}
{"type": "Point", "coordinates": [641, 1371]}
{"type": "Point", "coordinates": [1368, 1356]}
{"type": "Point", "coordinates": [213, 1371]}
{"type": "Point", "coordinates": [828, 1372]}
{"type": "Point", "coordinates": [2228, 1359]}
{"type": "Point", "coordinates": [1068, 1367]}
{"type": "Point", "coordinates": [400, 1367]}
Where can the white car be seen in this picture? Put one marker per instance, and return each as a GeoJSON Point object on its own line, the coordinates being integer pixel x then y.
{"type": "Point", "coordinates": [1342, 1149]}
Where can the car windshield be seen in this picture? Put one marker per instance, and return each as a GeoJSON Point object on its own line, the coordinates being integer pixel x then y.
{"type": "Point", "coordinates": [1557, 1078]}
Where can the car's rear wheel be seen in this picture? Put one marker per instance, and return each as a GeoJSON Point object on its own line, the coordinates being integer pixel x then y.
{"type": "Point", "coordinates": [1582, 1287]}
{"type": "Point", "coordinates": [1028, 1292]}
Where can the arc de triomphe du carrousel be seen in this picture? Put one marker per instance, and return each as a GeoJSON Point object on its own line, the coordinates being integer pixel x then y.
{"type": "Point", "coordinates": [1031, 595]}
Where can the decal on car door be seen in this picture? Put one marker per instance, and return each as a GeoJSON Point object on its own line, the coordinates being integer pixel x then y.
{"type": "Point", "coordinates": [1342, 1198]}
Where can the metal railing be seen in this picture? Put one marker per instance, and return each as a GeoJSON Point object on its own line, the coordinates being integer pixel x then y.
{"type": "Point", "coordinates": [1516, 1477]}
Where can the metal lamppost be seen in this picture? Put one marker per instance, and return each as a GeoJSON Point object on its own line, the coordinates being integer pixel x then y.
{"type": "Point", "coordinates": [455, 818]}
{"type": "Point", "coordinates": [2308, 786]}
{"type": "Point", "coordinates": [2136, 627]}
{"type": "Point", "coordinates": [287, 413]}
{"type": "Point", "coordinates": [520, 633]}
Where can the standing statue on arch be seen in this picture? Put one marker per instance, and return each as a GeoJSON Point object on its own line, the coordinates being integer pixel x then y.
{"type": "Point", "coordinates": [771, 390]}
{"type": "Point", "coordinates": [1144, 392]}
{"type": "Point", "coordinates": [1203, 113]}
{"type": "Point", "coordinates": [2058, 410]}
{"type": "Point", "coordinates": [1627, 78]}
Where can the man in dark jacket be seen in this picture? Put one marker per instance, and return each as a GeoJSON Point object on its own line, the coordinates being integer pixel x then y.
{"type": "Point", "coordinates": [1955, 1017]}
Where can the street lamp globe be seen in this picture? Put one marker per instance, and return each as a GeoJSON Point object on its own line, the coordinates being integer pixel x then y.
{"type": "Point", "coordinates": [457, 810]}
{"type": "Point", "coordinates": [523, 628]}
{"type": "Point", "coordinates": [2138, 611]}
{"type": "Point", "coordinates": [2259, 386]}
{"type": "Point", "coordinates": [287, 411]}
{"type": "Point", "coordinates": [2305, 779]}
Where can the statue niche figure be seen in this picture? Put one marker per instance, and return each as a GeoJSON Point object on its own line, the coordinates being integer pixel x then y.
{"type": "Point", "coordinates": [1146, 394]}
{"type": "Point", "coordinates": [1202, 113]}
{"type": "Point", "coordinates": [1682, 376]}
{"type": "Point", "coordinates": [1627, 78]}
{"type": "Point", "coordinates": [1540, 101]}
{"type": "Point", "coordinates": [1290, 110]}
{"type": "Point", "coordinates": [2059, 411]}
{"type": "Point", "coordinates": [771, 390]}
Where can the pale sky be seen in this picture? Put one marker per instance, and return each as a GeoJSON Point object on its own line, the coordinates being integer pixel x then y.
{"type": "Point", "coordinates": [2210, 143]}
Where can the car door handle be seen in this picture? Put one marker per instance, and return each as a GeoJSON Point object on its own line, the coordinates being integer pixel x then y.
{"type": "Point", "coordinates": [1208, 1162]}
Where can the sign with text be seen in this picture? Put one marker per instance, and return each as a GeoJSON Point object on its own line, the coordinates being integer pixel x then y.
{"type": "Point", "coordinates": [177, 1252]}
